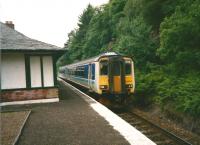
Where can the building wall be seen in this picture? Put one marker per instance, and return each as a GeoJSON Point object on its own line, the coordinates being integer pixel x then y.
{"type": "Point", "coordinates": [34, 94]}
{"type": "Point", "coordinates": [37, 69]}
{"type": "Point", "coordinates": [13, 74]}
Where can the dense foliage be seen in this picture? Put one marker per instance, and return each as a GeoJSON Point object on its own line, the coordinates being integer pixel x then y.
{"type": "Point", "coordinates": [162, 37]}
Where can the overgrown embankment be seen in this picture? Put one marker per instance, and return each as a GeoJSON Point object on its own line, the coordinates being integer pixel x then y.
{"type": "Point", "coordinates": [162, 36]}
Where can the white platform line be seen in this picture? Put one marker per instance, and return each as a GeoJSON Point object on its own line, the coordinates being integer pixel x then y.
{"type": "Point", "coordinates": [29, 102]}
{"type": "Point", "coordinates": [131, 134]}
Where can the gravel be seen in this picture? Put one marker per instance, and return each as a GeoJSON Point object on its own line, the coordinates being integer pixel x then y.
{"type": "Point", "coordinates": [159, 119]}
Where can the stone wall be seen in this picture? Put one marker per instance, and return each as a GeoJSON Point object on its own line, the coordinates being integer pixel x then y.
{"type": "Point", "coordinates": [33, 94]}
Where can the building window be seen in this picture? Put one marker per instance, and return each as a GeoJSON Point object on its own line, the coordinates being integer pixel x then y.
{"type": "Point", "coordinates": [48, 77]}
{"type": "Point", "coordinates": [41, 71]}
{"type": "Point", "coordinates": [35, 70]}
{"type": "Point", "coordinates": [13, 75]}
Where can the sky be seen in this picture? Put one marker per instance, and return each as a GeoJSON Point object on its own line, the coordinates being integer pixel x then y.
{"type": "Point", "coordinates": [49, 21]}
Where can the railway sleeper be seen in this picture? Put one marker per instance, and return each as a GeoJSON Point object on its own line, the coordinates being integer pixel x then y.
{"type": "Point", "coordinates": [126, 117]}
{"type": "Point", "coordinates": [149, 132]}
{"type": "Point", "coordinates": [165, 142]}
{"type": "Point", "coordinates": [161, 138]}
{"type": "Point", "coordinates": [145, 127]}
{"type": "Point", "coordinates": [153, 135]}
{"type": "Point", "coordinates": [146, 131]}
{"type": "Point", "coordinates": [136, 123]}
{"type": "Point", "coordinates": [131, 120]}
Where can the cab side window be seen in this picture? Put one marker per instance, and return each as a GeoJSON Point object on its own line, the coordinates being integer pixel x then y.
{"type": "Point", "coordinates": [104, 68]}
{"type": "Point", "coordinates": [93, 71]}
{"type": "Point", "coordinates": [127, 68]}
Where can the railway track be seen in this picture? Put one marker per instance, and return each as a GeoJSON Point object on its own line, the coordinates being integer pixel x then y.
{"type": "Point", "coordinates": [157, 134]}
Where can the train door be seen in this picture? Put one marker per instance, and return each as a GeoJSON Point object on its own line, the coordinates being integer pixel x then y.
{"type": "Point", "coordinates": [117, 76]}
{"type": "Point", "coordinates": [91, 78]}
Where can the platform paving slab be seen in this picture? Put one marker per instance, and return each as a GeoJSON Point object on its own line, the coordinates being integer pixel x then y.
{"type": "Point", "coordinates": [70, 122]}
{"type": "Point", "coordinates": [11, 126]}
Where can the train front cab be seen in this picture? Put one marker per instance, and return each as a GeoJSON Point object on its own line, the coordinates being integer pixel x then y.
{"type": "Point", "coordinates": [116, 77]}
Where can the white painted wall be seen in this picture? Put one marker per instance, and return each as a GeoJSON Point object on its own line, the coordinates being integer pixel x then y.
{"type": "Point", "coordinates": [35, 71]}
{"type": "Point", "coordinates": [48, 71]}
{"type": "Point", "coordinates": [13, 74]}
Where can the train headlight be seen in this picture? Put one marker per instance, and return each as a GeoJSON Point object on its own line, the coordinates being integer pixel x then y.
{"type": "Point", "coordinates": [103, 87]}
{"type": "Point", "coordinates": [129, 86]}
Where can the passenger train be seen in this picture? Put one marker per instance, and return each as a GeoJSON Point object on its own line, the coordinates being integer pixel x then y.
{"type": "Point", "coordinates": [108, 74]}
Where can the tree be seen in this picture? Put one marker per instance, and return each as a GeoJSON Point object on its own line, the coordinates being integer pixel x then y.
{"type": "Point", "coordinates": [179, 37]}
{"type": "Point", "coordinates": [77, 37]}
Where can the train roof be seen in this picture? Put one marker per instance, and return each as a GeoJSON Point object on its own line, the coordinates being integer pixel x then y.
{"type": "Point", "coordinates": [93, 59]}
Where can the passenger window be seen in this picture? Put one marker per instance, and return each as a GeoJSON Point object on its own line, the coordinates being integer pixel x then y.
{"type": "Point", "coordinates": [127, 68]}
{"type": "Point", "coordinates": [104, 68]}
{"type": "Point", "coordinates": [86, 71]}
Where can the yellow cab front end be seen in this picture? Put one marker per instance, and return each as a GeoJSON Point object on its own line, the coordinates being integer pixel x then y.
{"type": "Point", "coordinates": [116, 76]}
{"type": "Point", "coordinates": [103, 76]}
{"type": "Point", "coordinates": [129, 75]}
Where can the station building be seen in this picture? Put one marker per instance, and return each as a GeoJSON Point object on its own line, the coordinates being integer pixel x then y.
{"type": "Point", "coordinates": [28, 68]}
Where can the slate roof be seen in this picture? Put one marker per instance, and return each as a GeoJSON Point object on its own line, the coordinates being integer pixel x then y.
{"type": "Point", "coordinates": [11, 39]}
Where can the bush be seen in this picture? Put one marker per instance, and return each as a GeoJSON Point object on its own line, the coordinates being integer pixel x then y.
{"type": "Point", "coordinates": [146, 86]}
{"type": "Point", "coordinates": [182, 93]}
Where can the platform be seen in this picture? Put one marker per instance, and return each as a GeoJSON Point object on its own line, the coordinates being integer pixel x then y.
{"type": "Point", "coordinates": [76, 120]}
